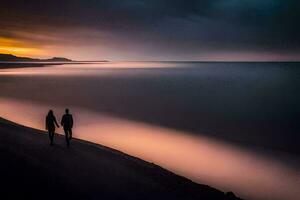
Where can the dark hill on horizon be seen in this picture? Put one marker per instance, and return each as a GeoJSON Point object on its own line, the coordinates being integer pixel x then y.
{"type": "Point", "coordinates": [31, 169]}
{"type": "Point", "coordinates": [13, 58]}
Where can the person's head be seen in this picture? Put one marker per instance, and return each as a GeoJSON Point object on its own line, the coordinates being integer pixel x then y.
{"type": "Point", "coordinates": [67, 110]}
{"type": "Point", "coordinates": [50, 113]}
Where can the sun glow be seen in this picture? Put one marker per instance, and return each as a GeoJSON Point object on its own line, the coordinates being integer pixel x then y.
{"type": "Point", "coordinates": [19, 48]}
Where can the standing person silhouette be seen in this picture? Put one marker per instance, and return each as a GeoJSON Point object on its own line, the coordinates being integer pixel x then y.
{"type": "Point", "coordinates": [67, 123]}
{"type": "Point", "coordinates": [50, 125]}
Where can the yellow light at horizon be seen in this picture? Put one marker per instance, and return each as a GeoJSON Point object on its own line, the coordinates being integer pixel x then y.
{"type": "Point", "coordinates": [19, 48]}
{"type": "Point", "coordinates": [19, 51]}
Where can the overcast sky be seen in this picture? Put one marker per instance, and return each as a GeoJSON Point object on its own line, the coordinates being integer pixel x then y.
{"type": "Point", "coordinates": [152, 29]}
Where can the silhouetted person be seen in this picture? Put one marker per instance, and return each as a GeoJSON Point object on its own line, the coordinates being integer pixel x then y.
{"type": "Point", "coordinates": [50, 125]}
{"type": "Point", "coordinates": [67, 123]}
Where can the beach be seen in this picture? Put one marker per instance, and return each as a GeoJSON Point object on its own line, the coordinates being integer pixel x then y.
{"type": "Point", "coordinates": [31, 168]}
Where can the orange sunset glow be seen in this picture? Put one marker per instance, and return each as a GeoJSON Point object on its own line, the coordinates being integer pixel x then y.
{"type": "Point", "coordinates": [146, 30]}
{"type": "Point", "coordinates": [19, 48]}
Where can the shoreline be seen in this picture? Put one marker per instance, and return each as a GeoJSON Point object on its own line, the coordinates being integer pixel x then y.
{"type": "Point", "coordinates": [81, 169]}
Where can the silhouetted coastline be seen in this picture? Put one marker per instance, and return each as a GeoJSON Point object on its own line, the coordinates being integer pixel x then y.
{"type": "Point", "coordinates": [12, 61]}
{"type": "Point", "coordinates": [13, 58]}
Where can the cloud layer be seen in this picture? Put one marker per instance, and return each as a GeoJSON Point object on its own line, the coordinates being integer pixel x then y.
{"type": "Point", "coordinates": [157, 29]}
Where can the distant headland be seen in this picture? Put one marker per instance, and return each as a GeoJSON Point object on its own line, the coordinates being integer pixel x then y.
{"type": "Point", "coordinates": [13, 58]}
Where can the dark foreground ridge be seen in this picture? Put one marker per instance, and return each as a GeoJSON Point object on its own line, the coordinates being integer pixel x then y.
{"type": "Point", "coordinates": [31, 169]}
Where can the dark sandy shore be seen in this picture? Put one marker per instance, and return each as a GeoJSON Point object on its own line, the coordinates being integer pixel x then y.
{"type": "Point", "coordinates": [32, 169]}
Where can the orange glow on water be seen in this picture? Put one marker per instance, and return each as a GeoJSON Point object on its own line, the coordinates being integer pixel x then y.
{"type": "Point", "coordinates": [202, 159]}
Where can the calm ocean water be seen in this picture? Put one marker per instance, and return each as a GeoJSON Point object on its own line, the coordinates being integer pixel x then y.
{"type": "Point", "coordinates": [247, 105]}
{"type": "Point", "coordinates": [254, 103]}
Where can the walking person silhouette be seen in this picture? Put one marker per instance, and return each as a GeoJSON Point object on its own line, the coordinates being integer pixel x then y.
{"type": "Point", "coordinates": [67, 123]}
{"type": "Point", "coordinates": [50, 125]}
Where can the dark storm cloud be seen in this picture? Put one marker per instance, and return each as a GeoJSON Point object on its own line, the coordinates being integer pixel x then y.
{"type": "Point", "coordinates": [179, 26]}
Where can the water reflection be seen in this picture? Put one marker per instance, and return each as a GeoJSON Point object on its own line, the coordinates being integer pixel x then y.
{"type": "Point", "coordinates": [202, 159]}
{"type": "Point", "coordinates": [78, 69]}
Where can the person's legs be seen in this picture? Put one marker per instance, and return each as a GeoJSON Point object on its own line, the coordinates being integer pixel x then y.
{"type": "Point", "coordinates": [51, 135]}
{"type": "Point", "coordinates": [70, 133]}
{"type": "Point", "coordinates": [67, 137]}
